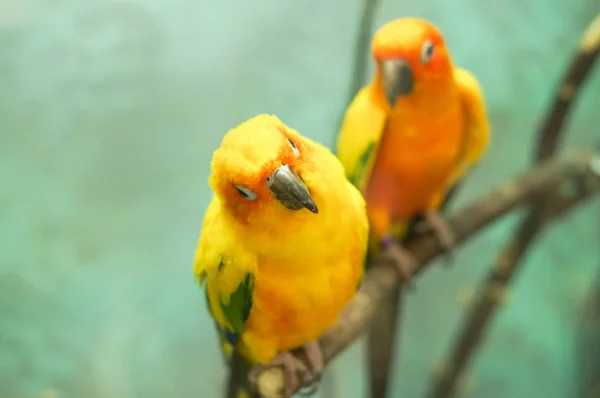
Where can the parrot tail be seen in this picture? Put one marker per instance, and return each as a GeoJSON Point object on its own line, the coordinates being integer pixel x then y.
{"type": "Point", "coordinates": [239, 385]}
{"type": "Point", "coordinates": [239, 388]}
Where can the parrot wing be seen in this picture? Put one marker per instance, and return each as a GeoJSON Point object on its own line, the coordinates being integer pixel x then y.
{"type": "Point", "coordinates": [477, 134]}
{"type": "Point", "coordinates": [228, 271]}
{"type": "Point", "coordinates": [361, 131]}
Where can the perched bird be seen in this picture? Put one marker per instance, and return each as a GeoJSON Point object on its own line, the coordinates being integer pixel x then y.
{"type": "Point", "coordinates": [282, 245]}
{"type": "Point", "coordinates": [412, 133]}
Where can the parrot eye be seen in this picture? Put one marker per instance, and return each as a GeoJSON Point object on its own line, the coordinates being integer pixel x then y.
{"type": "Point", "coordinates": [294, 149]}
{"type": "Point", "coordinates": [427, 51]}
{"type": "Point", "coordinates": [246, 193]}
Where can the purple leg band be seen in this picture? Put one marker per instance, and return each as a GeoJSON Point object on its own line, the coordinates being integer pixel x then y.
{"type": "Point", "coordinates": [387, 242]}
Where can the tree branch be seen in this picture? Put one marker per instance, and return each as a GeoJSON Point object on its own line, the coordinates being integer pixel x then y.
{"type": "Point", "coordinates": [361, 50]}
{"type": "Point", "coordinates": [382, 279]}
{"type": "Point", "coordinates": [361, 54]}
{"type": "Point", "coordinates": [583, 60]}
{"type": "Point", "coordinates": [588, 344]}
{"type": "Point", "coordinates": [494, 288]}
{"type": "Point", "coordinates": [382, 341]}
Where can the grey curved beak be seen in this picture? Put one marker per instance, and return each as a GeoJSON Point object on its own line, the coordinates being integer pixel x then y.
{"type": "Point", "coordinates": [398, 79]}
{"type": "Point", "coordinates": [287, 187]}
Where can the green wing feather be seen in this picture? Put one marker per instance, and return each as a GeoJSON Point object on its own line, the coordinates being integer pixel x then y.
{"type": "Point", "coordinates": [235, 310]}
{"type": "Point", "coordinates": [359, 136]}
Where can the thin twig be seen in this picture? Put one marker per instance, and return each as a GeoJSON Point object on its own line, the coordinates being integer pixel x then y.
{"type": "Point", "coordinates": [382, 278]}
{"type": "Point", "coordinates": [382, 338]}
{"type": "Point", "coordinates": [361, 51]}
{"type": "Point", "coordinates": [492, 294]}
{"type": "Point", "coordinates": [495, 285]}
{"type": "Point", "coordinates": [583, 60]}
{"type": "Point", "coordinates": [588, 344]}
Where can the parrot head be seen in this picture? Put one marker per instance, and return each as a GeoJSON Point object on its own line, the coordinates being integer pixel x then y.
{"type": "Point", "coordinates": [258, 171]}
{"type": "Point", "coordinates": [410, 55]}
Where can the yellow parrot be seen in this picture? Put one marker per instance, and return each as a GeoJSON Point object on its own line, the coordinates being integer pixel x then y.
{"type": "Point", "coordinates": [282, 245]}
{"type": "Point", "coordinates": [412, 133]}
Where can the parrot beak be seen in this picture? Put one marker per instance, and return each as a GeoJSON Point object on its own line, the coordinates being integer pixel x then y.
{"type": "Point", "coordinates": [287, 187]}
{"type": "Point", "coordinates": [398, 79]}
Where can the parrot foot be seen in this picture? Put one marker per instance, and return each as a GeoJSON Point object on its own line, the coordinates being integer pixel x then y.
{"type": "Point", "coordinates": [434, 223]}
{"type": "Point", "coordinates": [292, 367]}
{"type": "Point", "coordinates": [314, 357]}
{"type": "Point", "coordinates": [406, 262]}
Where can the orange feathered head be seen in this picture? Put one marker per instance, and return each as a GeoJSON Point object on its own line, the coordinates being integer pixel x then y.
{"type": "Point", "coordinates": [258, 171]}
{"type": "Point", "coordinates": [410, 53]}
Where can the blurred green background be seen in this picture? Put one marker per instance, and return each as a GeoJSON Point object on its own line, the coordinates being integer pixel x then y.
{"type": "Point", "coordinates": [109, 113]}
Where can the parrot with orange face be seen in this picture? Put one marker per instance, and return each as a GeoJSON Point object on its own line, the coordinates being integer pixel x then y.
{"type": "Point", "coordinates": [412, 133]}
{"type": "Point", "coordinates": [282, 246]}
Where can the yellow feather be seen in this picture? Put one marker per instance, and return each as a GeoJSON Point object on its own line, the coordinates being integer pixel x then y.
{"type": "Point", "coordinates": [361, 131]}
{"type": "Point", "coordinates": [305, 266]}
{"type": "Point", "coordinates": [477, 134]}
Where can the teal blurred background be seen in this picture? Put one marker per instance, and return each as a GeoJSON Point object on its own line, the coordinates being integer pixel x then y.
{"type": "Point", "coordinates": [109, 113]}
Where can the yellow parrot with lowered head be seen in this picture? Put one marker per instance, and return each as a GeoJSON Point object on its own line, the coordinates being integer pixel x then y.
{"type": "Point", "coordinates": [282, 245]}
